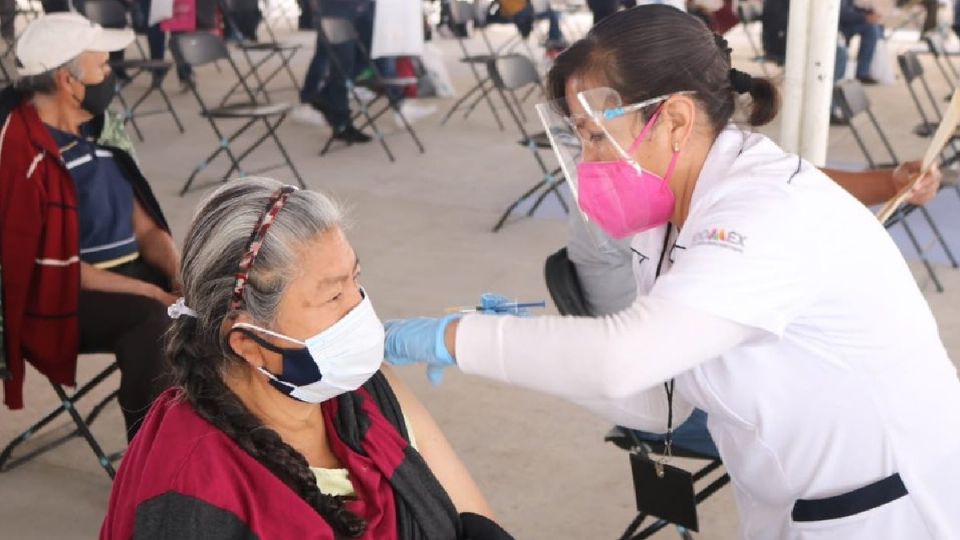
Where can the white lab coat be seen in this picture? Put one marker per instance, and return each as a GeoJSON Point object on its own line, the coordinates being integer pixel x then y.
{"type": "Point", "coordinates": [786, 313]}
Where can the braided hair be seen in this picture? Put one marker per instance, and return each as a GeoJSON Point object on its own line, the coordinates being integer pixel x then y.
{"type": "Point", "coordinates": [196, 347]}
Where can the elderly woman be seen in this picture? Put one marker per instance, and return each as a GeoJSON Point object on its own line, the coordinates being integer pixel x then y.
{"type": "Point", "coordinates": [282, 423]}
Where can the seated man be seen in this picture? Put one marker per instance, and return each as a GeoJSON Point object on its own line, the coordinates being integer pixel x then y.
{"type": "Point", "coordinates": [87, 257]}
{"type": "Point", "coordinates": [855, 21]}
{"type": "Point", "coordinates": [522, 14]}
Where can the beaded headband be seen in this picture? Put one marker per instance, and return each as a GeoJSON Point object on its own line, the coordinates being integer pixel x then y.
{"type": "Point", "coordinates": [255, 242]}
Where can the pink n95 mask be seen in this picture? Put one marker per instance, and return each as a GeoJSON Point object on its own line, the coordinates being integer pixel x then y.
{"type": "Point", "coordinates": [618, 195]}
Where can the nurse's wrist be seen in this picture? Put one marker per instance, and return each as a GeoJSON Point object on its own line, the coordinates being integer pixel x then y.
{"type": "Point", "coordinates": [450, 338]}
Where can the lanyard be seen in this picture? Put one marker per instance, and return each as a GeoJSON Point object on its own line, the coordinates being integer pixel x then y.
{"type": "Point", "coordinates": [667, 386]}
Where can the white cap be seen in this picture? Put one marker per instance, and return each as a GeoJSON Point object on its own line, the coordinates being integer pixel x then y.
{"type": "Point", "coordinates": [53, 40]}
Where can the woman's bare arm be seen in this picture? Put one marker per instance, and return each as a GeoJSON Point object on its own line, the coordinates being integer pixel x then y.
{"type": "Point", "coordinates": [437, 452]}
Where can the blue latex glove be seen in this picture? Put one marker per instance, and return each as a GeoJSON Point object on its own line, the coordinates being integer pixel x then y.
{"type": "Point", "coordinates": [420, 340]}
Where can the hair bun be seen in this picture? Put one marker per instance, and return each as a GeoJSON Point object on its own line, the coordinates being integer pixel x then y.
{"type": "Point", "coordinates": [742, 82]}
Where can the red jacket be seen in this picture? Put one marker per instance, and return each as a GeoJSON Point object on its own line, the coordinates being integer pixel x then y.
{"type": "Point", "coordinates": [40, 246]}
{"type": "Point", "coordinates": [39, 254]}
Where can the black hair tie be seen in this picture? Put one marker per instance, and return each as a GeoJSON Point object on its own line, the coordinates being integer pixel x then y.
{"type": "Point", "coordinates": [722, 44]}
{"type": "Point", "coordinates": [742, 82]}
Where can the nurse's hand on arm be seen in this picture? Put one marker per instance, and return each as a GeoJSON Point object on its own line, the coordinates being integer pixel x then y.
{"type": "Point", "coordinates": [600, 363]}
{"type": "Point", "coordinates": [877, 186]}
{"type": "Point", "coordinates": [422, 339]}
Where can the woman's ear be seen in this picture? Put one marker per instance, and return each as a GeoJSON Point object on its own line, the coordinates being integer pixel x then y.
{"type": "Point", "coordinates": [240, 344]}
{"type": "Point", "coordinates": [680, 112]}
{"type": "Point", "coordinates": [246, 348]}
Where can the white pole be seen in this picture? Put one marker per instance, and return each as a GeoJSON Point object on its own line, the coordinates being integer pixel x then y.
{"type": "Point", "coordinates": [791, 115]}
{"type": "Point", "coordinates": [818, 80]}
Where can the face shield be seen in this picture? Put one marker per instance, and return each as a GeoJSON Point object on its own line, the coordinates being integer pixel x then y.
{"type": "Point", "coordinates": [595, 136]}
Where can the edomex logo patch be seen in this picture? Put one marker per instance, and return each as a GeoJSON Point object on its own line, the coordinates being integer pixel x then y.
{"type": "Point", "coordinates": [720, 237]}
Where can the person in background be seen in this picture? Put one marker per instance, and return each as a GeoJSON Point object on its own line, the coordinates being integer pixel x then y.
{"type": "Point", "coordinates": [86, 253]}
{"type": "Point", "coordinates": [326, 101]}
{"type": "Point", "coordinates": [602, 9]}
{"type": "Point", "coordinates": [856, 21]}
{"type": "Point", "coordinates": [523, 15]}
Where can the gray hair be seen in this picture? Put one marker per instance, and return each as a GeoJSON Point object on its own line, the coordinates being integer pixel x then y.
{"type": "Point", "coordinates": [196, 348]}
{"type": "Point", "coordinates": [218, 239]}
{"type": "Point", "coordinates": [46, 82]}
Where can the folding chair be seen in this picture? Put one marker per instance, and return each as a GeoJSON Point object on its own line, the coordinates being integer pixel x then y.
{"type": "Point", "coordinates": [23, 9]}
{"type": "Point", "coordinates": [938, 51]}
{"type": "Point", "coordinates": [852, 101]}
{"type": "Point", "coordinates": [509, 75]}
{"type": "Point", "coordinates": [197, 49]}
{"type": "Point", "coordinates": [690, 439]}
{"type": "Point", "coordinates": [278, 9]}
{"type": "Point", "coordinates": [68, 404]}
{"type": "Point", "coordinates": [248, 45]}
{"type": "Point", "coordinates": [6, 55]}
{"type": "Point", "coordinates": [912, 71]}
{"type": "Point", "coordinates": [112, 14]}
{"type": "Point", "coordinates": [462, 12]}
{"type": "Point", "coordinates": [336, 31]}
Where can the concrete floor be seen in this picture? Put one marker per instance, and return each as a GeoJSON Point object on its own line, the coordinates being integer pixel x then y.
{"type": "Point", "coordinates": [422, 229]}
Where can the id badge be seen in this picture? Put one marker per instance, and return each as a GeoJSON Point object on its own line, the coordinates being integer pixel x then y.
{"type": "Point", "coordinates": [669, 497]}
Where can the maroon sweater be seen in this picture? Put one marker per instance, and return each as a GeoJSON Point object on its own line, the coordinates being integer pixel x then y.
{"type": "Point", "coordinates": [39, 254]}
{"type": "Point", "coordinates": [40, 247]}
{"type": "Point", "coordinates": [184, 478]}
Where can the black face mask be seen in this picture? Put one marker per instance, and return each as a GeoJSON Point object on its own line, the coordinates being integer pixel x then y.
{"type": "Point", "coordinates": [97, 97]}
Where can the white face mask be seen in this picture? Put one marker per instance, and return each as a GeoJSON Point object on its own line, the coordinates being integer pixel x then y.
{"type": "Point", "coordinates": [338, 360]}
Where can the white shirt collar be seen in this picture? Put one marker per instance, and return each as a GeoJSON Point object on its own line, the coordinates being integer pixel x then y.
{"type": "Point", "coordinates": [728, 146]}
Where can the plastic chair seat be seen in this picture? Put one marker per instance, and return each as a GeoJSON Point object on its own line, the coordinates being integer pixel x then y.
{"type": "Point", "coordinates": [398, 81]}
{"type": "Point", "coordinates": [539, 140]}
{"type": "Point", "coordinates": [379, 84]}
{"type": "Point", "coordinates": [148, 65]}
{"type": "Point", "coordinates": [246, 110]}
{"type": "Point", "coordinates": [477, 58]}
{"type": "Point", "coordinates": [268, 46]}
{"type": "Point", "coordinates": [690, 440]}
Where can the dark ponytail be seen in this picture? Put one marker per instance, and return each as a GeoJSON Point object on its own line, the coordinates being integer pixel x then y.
{"type": "Point", "coordinates": [196, 349]}
{"type": "Point", "coordinates": [654, 50]}
{"type": "Point", "coordinates": [764, 102]}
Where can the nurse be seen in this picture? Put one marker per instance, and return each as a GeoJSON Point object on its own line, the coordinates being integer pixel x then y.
{"type": "Point", "coordinates": [778, 304]}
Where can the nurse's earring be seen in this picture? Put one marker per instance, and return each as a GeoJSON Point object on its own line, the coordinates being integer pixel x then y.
{"type": "Point", "coordinates": [676, 148]}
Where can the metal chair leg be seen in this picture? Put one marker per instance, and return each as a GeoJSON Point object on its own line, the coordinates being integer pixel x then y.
{"type": "Point", "coordinates": [283, 151]}
{"type": "Point", "coordinates": [634, 525]}
{"type": "Point", "coordinates": [506, 214]}
{"type": "Point", "coordinates": [85, 431]}
{"type": "Point", "coordinates": [170, 109]}
{"type": "Point", "coordinates": [940, 239]}
{"type": "Point", "coordinates": [406, 125]}
{"type": "Point", "coordinates": [67, 404]}
{"type": "Point", "coordinates": [923, 258]}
